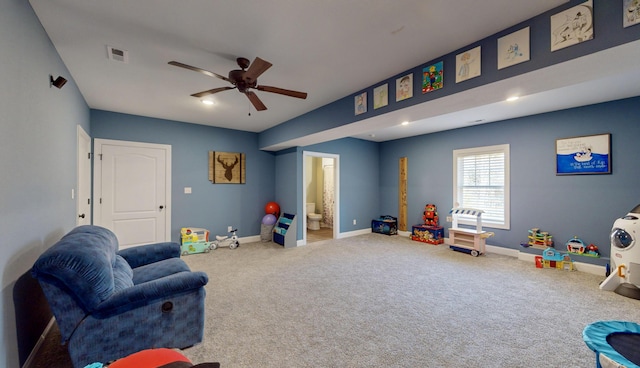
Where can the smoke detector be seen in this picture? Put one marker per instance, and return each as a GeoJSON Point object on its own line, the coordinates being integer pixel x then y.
{"type": "Point", "coordinates": [116, 54]}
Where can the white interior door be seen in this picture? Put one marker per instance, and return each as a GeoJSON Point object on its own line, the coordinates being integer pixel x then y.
{"type": "Point", "coordinates": [133, 184]}
{"type": "Point", "coordinates": [83, 194]}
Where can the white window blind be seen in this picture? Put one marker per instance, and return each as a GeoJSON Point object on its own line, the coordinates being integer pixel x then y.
{"type": "Point", "coordinates": [481, 181]}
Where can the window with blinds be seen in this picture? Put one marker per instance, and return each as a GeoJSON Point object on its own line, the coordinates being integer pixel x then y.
{"type": "Point", "coordinates": [481, 181]}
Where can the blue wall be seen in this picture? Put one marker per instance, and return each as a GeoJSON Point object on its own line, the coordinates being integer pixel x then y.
{"type": "Point", "coordinates": [565, 206]}
{"type": "Point", "coordinates": [359, 180]}
{"type": "Point", "coordinates": [288, 191]}
{"type": "Point", "coordinates": [211, 206]}
{"type": "Point", "coordinates": [37, 161]}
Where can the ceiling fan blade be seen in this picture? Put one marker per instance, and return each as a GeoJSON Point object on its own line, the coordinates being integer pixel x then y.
{"type": "Point", "coordinates": [256, 69]}
{"type": "Point", "coordinates": [196, 69]}
{"type": "Point", "coordinates": [211, 91]}
{"type": "Point", "coordinates": [255, 101]}
{"type": "Point", "coordinates": [282, 91]}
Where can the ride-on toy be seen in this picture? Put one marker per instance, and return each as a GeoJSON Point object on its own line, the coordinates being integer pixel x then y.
{"type": "Point", "coordinates": [223, 241]}
{"type": "Point", "coordinates": [194, 240]}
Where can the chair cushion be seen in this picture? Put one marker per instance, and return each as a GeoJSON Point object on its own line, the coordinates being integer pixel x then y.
{"type": "Point", "coordinates": [158, 270]}
{"type": "Point", "coordinates": [82, 262]}
{"type": "Point", "coordinates": [122, 275]}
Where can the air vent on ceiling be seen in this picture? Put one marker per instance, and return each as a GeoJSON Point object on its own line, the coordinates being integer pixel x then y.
{"type": "Point", "coordinates": [118, 54]}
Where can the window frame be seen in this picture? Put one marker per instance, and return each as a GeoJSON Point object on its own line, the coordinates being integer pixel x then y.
{"type": "Point", "coordinates": [500, 148]}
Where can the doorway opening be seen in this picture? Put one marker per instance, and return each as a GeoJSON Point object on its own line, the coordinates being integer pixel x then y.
{"type": "Point", "coordinates": [321, 196]}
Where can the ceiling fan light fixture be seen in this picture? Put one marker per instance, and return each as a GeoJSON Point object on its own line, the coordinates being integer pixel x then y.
{"type": "Point", "coordinates": [244, 81]}
{"type": "Point", "coordinates": [207, 102]}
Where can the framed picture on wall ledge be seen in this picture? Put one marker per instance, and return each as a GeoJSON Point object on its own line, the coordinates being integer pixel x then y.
{"type": "Point", "coordinates": [589, 154]}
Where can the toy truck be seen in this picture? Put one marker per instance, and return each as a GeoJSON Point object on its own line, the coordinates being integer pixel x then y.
{"type": "Point", "coordinates": [194, 240]}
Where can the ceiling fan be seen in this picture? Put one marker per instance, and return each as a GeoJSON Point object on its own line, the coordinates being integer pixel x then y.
{"type": "Point", "coordinates": [244, 79]}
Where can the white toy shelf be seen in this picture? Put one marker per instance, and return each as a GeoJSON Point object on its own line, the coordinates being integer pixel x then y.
{"type": "Point", "coordinates": [467, 240]}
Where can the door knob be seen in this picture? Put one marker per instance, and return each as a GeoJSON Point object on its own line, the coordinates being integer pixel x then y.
{"type": "Point", "coordinates": [161, 207]}
{"type": "Point", "coordinates": [81, 216]}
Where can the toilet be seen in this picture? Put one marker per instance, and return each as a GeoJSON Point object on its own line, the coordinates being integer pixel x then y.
{"type": "Point", "coordinates": [313, 218]}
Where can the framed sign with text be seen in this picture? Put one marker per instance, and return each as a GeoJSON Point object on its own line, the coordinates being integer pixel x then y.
{"type": "Point", "coordinates": [584, 155]}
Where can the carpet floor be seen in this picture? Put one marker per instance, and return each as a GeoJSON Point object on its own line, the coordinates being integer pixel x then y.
{"type": "Point", "coordinates": [380, 301]}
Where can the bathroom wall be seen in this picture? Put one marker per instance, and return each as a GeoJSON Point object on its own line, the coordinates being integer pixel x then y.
{"type": "Point", "coordinates": [314, 181]}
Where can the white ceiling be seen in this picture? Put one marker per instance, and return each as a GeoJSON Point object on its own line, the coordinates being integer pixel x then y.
{"type": "Point", "coordinates": [329, 49]}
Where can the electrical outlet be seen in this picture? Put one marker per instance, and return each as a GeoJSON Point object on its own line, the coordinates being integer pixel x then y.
{"type": "Point", "coordinates": [449, 219]}
{"type": "Point", "coordinates": [354, 221]}
{"type": "Point", "coordinates": [229, 228]}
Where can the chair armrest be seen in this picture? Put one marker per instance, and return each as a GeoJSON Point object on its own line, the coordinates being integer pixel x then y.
{"type": "Point", "coordinates": [149, 292]}
{"type": "Point", "coordinates": [150, 253]}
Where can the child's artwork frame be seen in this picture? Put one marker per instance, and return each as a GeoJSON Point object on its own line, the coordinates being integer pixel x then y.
{"type": "Point", "coordinates": [360, 103]}
{"type": "Point", "coordinates": [404, 87]}
{"type": "Point", "coordinates": [572, 26]}
{"type": "Point", "coordinates": [433, 77]}
{"type": "Point", "coordinates": [514, 48]}
{"type": "Point", "coordinates": [227, 167]}
{"type": "Point", "coordinates": [630, 13]}
{"type": "Point", "coordinates": [468, 64]}
{"type": "Point", "coordinates": [589, 154]}
{"type": "Point", "coordinates": [381, 96]}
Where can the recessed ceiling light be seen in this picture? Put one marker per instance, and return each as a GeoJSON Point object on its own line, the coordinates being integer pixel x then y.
{"type": "Point", "coordinates": [512, 98]}
{"type": "Point", "coordinates": [207, 102]}
{"type": "Point", "coordinates": [405, 123]}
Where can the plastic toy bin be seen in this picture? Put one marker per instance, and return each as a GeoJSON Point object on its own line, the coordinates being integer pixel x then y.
{"type": "Point", "coordinates": [387, 225]}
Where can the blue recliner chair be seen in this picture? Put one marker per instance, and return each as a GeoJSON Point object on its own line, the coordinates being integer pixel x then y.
{"type": "Point", "coordinates": [109, 303]}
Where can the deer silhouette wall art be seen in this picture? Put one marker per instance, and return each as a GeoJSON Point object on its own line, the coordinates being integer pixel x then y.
{"type": "Point", "coordinates": [226, 167]}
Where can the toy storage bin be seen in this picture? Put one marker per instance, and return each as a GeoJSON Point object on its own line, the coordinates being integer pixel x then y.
{"type": "Point", "coordinates": [387, 225]}
{"type": "Point", "coordinates": [427, 234]}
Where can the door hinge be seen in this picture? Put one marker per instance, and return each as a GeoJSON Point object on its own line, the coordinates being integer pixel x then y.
{"type": "Point", "coordinates": [100, 200]}
{"type": "Point", "coordinates": [88, 200]}
{"type": "Point", "coordinates": [100, 156]}
{"type": "Point", "coordinates": [89, 155]}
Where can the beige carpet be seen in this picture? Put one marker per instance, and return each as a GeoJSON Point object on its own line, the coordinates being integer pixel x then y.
{"type": "Point", "coordinates": [379, 301]}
